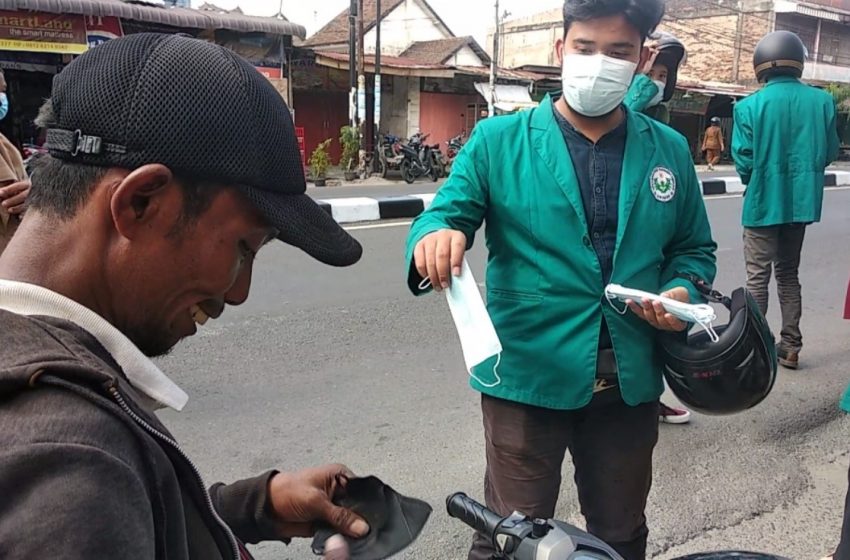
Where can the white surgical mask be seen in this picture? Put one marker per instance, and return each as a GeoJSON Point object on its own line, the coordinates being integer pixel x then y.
{"type": "Point", "coordinates": [595, 85]}
{"type": "Point", "coordinates": [478, 338]}
{"type": "Point", "coordinates": [660, 95]}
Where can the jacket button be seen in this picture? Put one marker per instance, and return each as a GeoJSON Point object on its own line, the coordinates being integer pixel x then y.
{"type": "Point", "coordinates": [586, 240]}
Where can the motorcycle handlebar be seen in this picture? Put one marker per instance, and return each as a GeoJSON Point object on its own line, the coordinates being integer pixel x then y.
{"type": "Point", "coordinates": [476, 515]}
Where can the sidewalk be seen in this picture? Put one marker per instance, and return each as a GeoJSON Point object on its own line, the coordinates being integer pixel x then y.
{"type": "Point", "coordinates": [355, 209]}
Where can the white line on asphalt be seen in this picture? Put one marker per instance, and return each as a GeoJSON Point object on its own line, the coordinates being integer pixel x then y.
{"type": "Point", "coordinates": [379, 225]}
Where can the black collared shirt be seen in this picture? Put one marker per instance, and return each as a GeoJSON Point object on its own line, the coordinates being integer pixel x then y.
{"type": "Point", "coordinates": [598, 168]}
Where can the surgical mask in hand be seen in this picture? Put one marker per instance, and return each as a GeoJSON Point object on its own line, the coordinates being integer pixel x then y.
{"type": "Point", "coordinates": [595, 85]}
{"type": "Point", "coordinates": [478, 338]}
{"type": "Point", "coordinates": [660, 95]}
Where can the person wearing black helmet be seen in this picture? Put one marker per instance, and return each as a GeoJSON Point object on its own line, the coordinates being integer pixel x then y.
{"type": "Point", "coordinates": [655, 84]}
{"type": "Point", "coordinates": [783, 138]}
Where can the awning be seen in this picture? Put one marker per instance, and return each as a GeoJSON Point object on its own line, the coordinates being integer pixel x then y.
{"type": "Point", "coordinates": [827, 13]}
{"type": "Point", "coordinates": [149, 13]}
{"type": "Point", "coordinates": [508, 98]}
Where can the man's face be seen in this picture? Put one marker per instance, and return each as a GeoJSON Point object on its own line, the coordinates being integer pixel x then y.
{"type": "Point", "coordinates": [611, 36]}
{"type": "Point", "coordinates": [172, 276]}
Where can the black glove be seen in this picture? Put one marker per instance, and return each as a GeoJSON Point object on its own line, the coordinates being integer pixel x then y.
{"type": "Point", "coordinates": [395, 521]}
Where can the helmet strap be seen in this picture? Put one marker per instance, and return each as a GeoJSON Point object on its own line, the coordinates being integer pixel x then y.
{"type": "Point", "coordinates": [707, 290]}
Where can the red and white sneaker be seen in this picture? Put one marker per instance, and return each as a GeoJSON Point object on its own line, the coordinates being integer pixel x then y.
{"type": "Point", "coordinates": [670, 415]}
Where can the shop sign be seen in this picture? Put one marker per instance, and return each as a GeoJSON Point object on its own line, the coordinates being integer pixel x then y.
{"type": "Point", "coordinates": [270, 73]}
{"type": "Point", "coordinates": [689, 102]}
{"type": "Point", "coordinates": [100, 29]}
{"type": "Point", "coordinates": [42, 32]}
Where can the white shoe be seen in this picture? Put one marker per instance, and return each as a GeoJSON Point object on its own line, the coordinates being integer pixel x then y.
{"type": "Point", "coordinates": [670, 415]}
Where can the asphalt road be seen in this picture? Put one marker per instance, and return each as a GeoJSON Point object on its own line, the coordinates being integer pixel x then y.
{"type": "Point", "coordinates": [394, 186]}
{"type": "Point", "coordinates": [325, 365]}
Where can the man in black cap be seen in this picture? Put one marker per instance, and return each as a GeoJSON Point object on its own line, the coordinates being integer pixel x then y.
{"type": "Point", "coordinates": [172, 162]}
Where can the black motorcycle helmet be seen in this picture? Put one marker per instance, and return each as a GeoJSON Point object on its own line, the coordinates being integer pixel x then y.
{"type": "Point", "coordinates": [729, 375]}
{"type": "Point", "coordinates": [715, 120]}
{"type": "Point", "coordinates": [671, 53]}
{"type": "Point", "coordinates": [780, 53]}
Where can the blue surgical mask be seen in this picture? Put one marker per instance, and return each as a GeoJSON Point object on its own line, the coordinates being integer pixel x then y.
{"type": "Point", "coordinates": [4, 106]}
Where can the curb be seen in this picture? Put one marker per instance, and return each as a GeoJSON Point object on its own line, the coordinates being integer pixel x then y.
{"type": "Point", "coordinates": [364, 209]}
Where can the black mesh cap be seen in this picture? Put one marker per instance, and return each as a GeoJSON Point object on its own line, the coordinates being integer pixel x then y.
{"type": "Point", "coordinates": [204, 112]}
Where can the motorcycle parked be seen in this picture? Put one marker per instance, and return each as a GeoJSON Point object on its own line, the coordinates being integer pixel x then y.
{"type": "Point", "coordinates": [518, 537]}
{"type": "Point", "coordinates": [438, 160]}
{"type": "Point", "coordinates": [389, 155]}
{"type": "Point", "coordinates": [453, 146]}
{"type": "Point", "coordinates": [418, 160]}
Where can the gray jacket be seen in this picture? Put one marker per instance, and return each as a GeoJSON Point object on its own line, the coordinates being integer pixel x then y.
{"type": "Point", "coordinates": [85, 472]}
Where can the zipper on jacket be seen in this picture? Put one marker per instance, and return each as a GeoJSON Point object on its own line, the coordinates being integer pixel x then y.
{"type": "Point", "coordinates": [159, 435]}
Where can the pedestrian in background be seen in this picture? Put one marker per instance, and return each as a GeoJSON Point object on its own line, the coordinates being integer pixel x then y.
{"type": "Point", "coordinates": [713, 143]}
{"type": "Point", "coordinates": [784, 137]}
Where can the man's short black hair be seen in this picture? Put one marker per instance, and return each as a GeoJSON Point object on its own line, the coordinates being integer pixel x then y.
{"type": "Point", "coordinates": [60, 188]}
{"type": "Point", "coordinates": [644, 15]}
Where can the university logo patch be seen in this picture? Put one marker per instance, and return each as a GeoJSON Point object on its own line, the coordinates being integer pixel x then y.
{"type": "Point", "coordinates": [662, 182]}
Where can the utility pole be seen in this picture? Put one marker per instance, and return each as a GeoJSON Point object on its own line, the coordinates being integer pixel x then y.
{"type": "Point", "coordinates": [361, 74]}
{"type": "Point", "coordinates": [739, 31]}
{"type": "Point", "coordinates": [376, 119]}
{"type": "Point", "coordinates": [352, 71]}
{"type": "Point", "coordinates": [491, 102]}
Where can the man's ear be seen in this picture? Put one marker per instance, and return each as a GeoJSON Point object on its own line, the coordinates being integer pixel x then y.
{"type": "Point", "coordinates": [141, 199]}
{"type": "Point", "coordinates": [559, 52]}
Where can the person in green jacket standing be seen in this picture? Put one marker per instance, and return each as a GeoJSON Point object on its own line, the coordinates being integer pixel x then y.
{"type": "Point", "coordinates": [784, 137]}
{"type": "Point", "coordinates": [576, 193]}
{"type": "Point", "coordinates": [650, 89]}
{"type": "Point", "coordinates": [655, 84]}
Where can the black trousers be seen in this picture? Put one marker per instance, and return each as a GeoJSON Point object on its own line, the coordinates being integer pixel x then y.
{"type": "Point", "coordinates": [611, 446]}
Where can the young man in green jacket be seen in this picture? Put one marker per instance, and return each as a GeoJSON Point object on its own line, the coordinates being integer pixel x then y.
{"type": "Point", "coordinates": [576, 193]}
{"type": "Point", "coordinates": [783, 138]}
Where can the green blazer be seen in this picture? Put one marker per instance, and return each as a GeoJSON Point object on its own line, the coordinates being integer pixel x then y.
{"type": "Point", "coordinates": [544, 283]}
{"type": "Point", "coordinates": [784, 137]}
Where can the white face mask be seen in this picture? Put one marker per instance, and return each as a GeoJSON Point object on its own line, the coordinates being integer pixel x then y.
{"type": "Point", "coordinates": [660, 95]}
{"type": "Point", "coordinates": [478, 337]}
{"type": "Point", "coordinates": [595, 85]}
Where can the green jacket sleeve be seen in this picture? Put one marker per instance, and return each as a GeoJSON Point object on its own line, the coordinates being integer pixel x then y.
{"type": "Point", "coordinates": [460, 204]}
{"type": "Point", "coordinates": [692, 250]}
{"type": "Point", "coordinates": [833, 142]}
{"type": "Point", "coordinates": [742, 144]}
{"type": "Point", "coordinates": [640, 93]}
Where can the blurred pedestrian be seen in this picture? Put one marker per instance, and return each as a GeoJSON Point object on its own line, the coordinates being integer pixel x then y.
{"type": "Point", "coordinates": [713, 143]}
